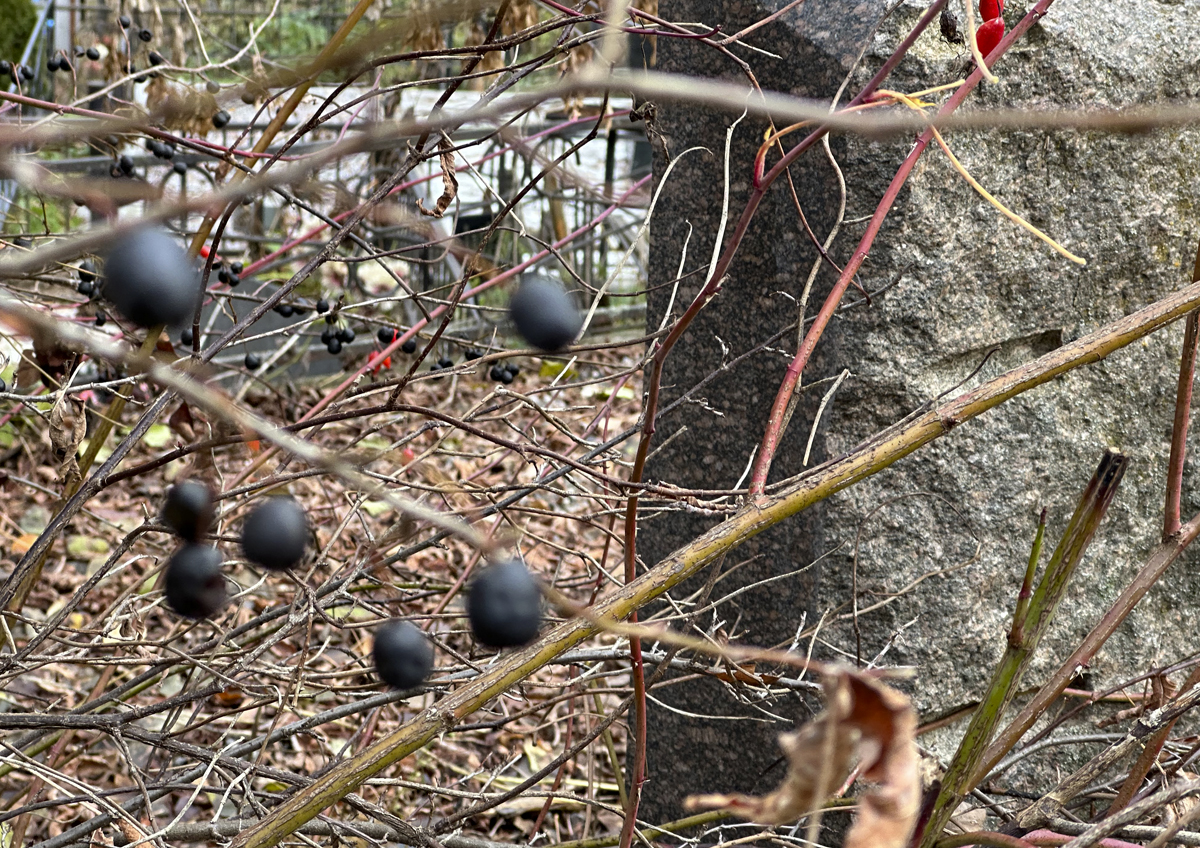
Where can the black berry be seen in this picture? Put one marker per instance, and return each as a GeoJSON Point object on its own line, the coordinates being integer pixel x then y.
{"type": "Point", "coordinates": [188, 510]}
{"type": "Point", "coordinates": [346, 335]}
{"type": "Point", "coordinates": [100, 318]}
{"type": "Point", "coordinates": [326, 335]}
{"type": "Point", "coordinates": [223, 276]}
{"type": "Point", "coordinates": [5, 68]}
{"type": "Point", "coordinates": [234, 281]}
{"type": "Point", "coordinates": [236, 267]}
{"type": "Point", "coordinates": [212, 87]}
{"type": "Point", "coordinates": [322, 305]}
{"type": "Point", "coordinates": [334, 345]}
{"type": "Point", "coordinates": [500, 374]}
{"type": "Point", "coordinates": [125, 163]}
{"type": "Point", "coordinates": [544, 314]}
{"type": "Point", "coordinates": [124, 21]}
{"type": "Point", "coordinates": [275, 534]}
{"type": "Point", "coordinates": [52, 64]}
{"type": "Point", "coordinates": [168, 150]}
{"type": "Point", "coordinates": [86, 288]}
{"type": "Point", "coordinates": [330, 318]}
{"type": "Point", "coordinates": [512, 369]}
{"type": "Point", "coordinates": [3, 385]}
{"type": "Point", "coordinates": [472, 354]}
{"type": "Point", "coordinates": [180, 168]}
{"type": "Point", "coordinates": [403, 656]}
{"type": "Point", "coordinates": [146, 35]}
{"type": "Point", "coordinates": [194, 584]}
{"type": "Point", "coordinates": [93, 54]}
{"type": "Point", "coordinates": [409, 346]}
{"type": "Point", "coordinates": [186, 337]}
{"type": "Point", "coordinates": [445, 362]}
{"type": "Point", "coordinates": [386, 335]}
{"type": "Point", "coordinates": [26, 73]}
{"type": "Point", "coordinates": [156, 58]}
{"type": "Point", "coordinates": [151, 279]}
{"type": "Point", "coordinates": [504, 605]}
{"type": "Point", "coordinates": [253, 361]}
{"type": "Point", "coordinates": [220, 119]}
{"type": "Point", "coordinates": [285, 309]}
{"type": "Point", "coordinates": [87, 271]}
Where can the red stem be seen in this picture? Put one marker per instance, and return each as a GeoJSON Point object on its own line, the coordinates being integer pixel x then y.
{"type": "Point", "coordinates": [775, 424]}
{"type": "Point", "coordinates": [1183, 410]}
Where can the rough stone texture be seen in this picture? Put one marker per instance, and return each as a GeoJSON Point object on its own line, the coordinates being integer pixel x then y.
{"type": "Point", "coordinates": [968, 280]}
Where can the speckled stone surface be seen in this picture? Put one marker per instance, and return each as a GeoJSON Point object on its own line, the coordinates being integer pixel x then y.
{"type": "Point", "coordinates": [941, 538]}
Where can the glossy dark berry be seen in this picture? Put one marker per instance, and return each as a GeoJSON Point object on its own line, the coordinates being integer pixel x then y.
{"type": "Point", "coordinates": [512, 369]}
{"type": "Point", "coordinates": [409, 346]}
{"type": "Point", "coordinates": [168, 150]}
{"type": "Point", "coordinates": [299, 309]}
{"type": "Point", "coordinates": [445, 362]}
{"type": "Point", "coordinates": [151, 279]}
{"type": "Point", "coordinates": [285, 310]}
{"type": "Point", "coordinates": [78, 51]}
{"type": "Point", "coordinates": [236, 267]}
{"type": "Point", "coordinates": [544, 314]}
{"type": "Point", "coordinates": [101, 319]}
{"type": "Point", "coordinates": [501, 374]}
{"type": "Point", "coordinates": [146, 35]}
{"type": "Point", "coordinates": [346, 335]}
{"type": "Point", "coordinates": [334, 345]}
{"type": "Point", "coordinates": [86, 288]}
{"type": "Point", "coordinates": [403, 656]}
{"type": "Point", "coordinates": [186, 337]}
{"type": "Point", "coordinates": [52, 64]}
{"type": "Point", "coordinates": [386, 335]}
{"type": "Point", "coordinates": [253, 361]}
{"type": "Point", "coordinates": [27, 73]}
{"type": "Point", "coordinates": [472, 354]}
{"type": "Point", "coordinates": [5, 68]}
{"type": "Point", "coordinates": [194, 584]}
{"type": "Point", "coordinates": [234, 281]}
{"type": "Point", "coordinates": [330, 318]}
{"type": "Point", "coordinates": [223, 276]}
{"type": "Point", "coordinates": [125, 163]}
{"type": "Point", "coordinates": [153, 145]}
{"type": "Point", "coordinates": [87, 271]}
{"type": "Point", "coordinates": [504, 605]}
{"type": "Point", "coordinates": [180, 168]}
{"type": "Point", "coordinates": [220, 119]}
{"type": "Point", "coordinates": [322, 305]}
{"type": "Point", "coordinates": [124, 21]}
{"type": "Point", "coordinates": [156, 58]}
{"type": "Point", "coordinates": [327, 335]}
{"type": "Point", "coordinates": [93, 54]}
{"type": "Point", "coordinates": [188, 509]}
{"type": "Point", "coordinates": [275, 534]}
{"type": "Point", "coordinates": [212, 87]}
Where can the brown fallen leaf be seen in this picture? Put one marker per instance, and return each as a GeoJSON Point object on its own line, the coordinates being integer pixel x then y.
{"type": "Point", "coordinates": [864, 721]}
{"type": "Point", "coordinates": [449, 181]}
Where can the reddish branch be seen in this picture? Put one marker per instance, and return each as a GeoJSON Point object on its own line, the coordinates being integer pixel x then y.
{"type": "Point", "coordinates": [778, 417]}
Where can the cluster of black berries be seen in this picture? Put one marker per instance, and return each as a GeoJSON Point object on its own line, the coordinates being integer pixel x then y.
{"type": "Point", "coordinates": [274, 536]}
{"type": "Point", "coordinates": [287, 310]}
{"type": "Point", "coordinates": [333, 338]}
{"type": "Point", "coordinates": [18, 72]}
{"type": "Point", "coordinates": [58, 62]}
{"type": "Point", "coordinates": [387, 335]}
{"type": "Point", "coordinates": [504, 372]}
{"type": "Point", "coordinates": [166, 150]}
{"type": "Point", "coordinates": [231, 276]}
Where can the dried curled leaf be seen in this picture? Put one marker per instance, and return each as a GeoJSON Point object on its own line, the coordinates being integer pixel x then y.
{"type": "Point", "coordinates": [863, 719]}
{"type": "Point", "coordinates": [68, 426]}
{"type": "Point", "coordinates": [449, 181]}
